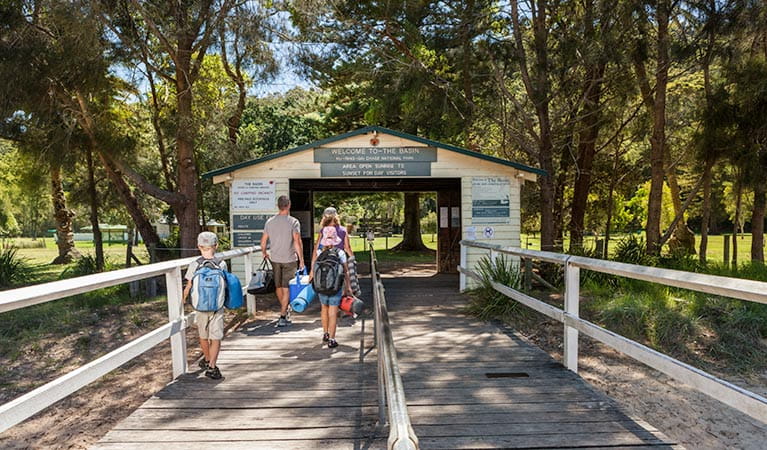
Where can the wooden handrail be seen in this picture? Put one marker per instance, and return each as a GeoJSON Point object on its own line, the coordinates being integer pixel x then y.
{"type": "Point", "coordinates": [27, 405]}
{"type": "Point", "coordinates": [741, 399]}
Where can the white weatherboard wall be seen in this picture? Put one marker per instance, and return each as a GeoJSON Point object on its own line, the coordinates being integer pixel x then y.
{"type": "Point", "coordinates": [449, 164]}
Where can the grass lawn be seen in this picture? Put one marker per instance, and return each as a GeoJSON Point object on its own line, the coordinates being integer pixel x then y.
{"type": "Point", "coordinates": [113, 252]}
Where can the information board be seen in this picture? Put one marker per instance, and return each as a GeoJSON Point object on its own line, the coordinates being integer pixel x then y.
{"type": "Point", "coordinates": [249, 221]}
{"type": "Point", "coordinates": [247, 238]}
{"type": "Point", "coordinates": [253, 195]}
{"type": "Point", "coordinates": [490, 200]}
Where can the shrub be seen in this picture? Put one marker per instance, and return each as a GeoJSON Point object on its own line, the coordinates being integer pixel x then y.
{"type": "Point", "coordinates": [487, 303]}
{"type": "Point", "coordinates": [632, 250]}
{"type": "Point", "coordinates": [14, 270]}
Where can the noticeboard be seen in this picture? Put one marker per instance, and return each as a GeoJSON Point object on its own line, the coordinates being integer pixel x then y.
{"type": "Point", "coordinates": [253, 195]}
{"type": "Point", "coordinates": [249, 221]}
{"type": "Point", "coordinates": [490, 200]}
{"type": "Point", "coordinates": [247, 238]}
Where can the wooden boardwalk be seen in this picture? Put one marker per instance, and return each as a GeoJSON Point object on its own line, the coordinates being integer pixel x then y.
{"type": "Point", "coordinates": [469, 384]}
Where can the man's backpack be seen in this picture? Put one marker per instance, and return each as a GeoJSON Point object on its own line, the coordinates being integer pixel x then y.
{"type": "Point", "coordinates": [208, 285]}
{"type": "Point", "coordinates": [328, 272]}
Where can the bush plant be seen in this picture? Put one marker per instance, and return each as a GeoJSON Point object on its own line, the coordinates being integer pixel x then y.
{"type": "Point", "coordinates": [487, 303]}
{"type": "Point", "coordinates": [13, 269]}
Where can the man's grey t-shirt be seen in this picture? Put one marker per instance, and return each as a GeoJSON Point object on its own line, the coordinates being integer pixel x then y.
{"type": "Point", "coordinates": [280, 229]}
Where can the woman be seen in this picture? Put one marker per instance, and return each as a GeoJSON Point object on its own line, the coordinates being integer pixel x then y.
{"type": "Point", "coordinates": [328, 246]}
{"type": "Point", "coordinates": [330, 219]}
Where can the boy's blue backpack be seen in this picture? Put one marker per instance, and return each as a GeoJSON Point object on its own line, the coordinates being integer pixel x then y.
{"type": "Point", "coordinates": [215, 288]}
{"type": "Point", "coordinates": [208, 286]}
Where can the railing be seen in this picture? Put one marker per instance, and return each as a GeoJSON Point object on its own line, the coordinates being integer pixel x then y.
{"type": "Point", "coordinates": [32, 402]}
{"type": "Point", "coordinates": [741, 399]}
{"type": "Point", "coordinates": [391, 390]}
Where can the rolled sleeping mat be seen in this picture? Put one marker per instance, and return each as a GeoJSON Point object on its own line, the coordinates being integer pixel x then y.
{"type": "Point", "coordinates": [298, 283]}
{"type": "Point", "coordinates": [351, 305]}
{"type": "Point", "coordinates": [354, 281]}
{"type": "Point", "coordinates": [303, 299]}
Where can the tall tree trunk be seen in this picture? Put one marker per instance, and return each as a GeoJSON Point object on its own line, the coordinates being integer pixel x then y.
{"type": "Point", "coordinates": [186, 210]}
{"type": "Point", "coordinates": [589, 132]}
{"type": "Point", "coordinates": [411, 231]}
{"type": "Point", "coordinates": [707, 175]}
{"type": "Point", "coordinates": [684, 239]}
{"type": "Point", "coordinates": [736, 225]}
{"type": "Point", "coordinates": [98, 243]}
{"type": "Point", "coordinates": [538, 87]}
{"type": "Point", "coordinates": [757, 223]}
{"type": "Point", "coordinates": [656, 106]}
{"type": "Point", "coordinates": [467, 69]}
{"type": "Point", "coordinates": [63, 217]}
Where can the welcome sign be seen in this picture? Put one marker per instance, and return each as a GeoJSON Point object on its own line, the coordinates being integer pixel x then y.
{"type": "Point", "coordinates": [375, 161]}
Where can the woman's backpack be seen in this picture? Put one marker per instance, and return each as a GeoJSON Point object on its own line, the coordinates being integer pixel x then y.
{"type": "Point", "coordinates": [328, 272]}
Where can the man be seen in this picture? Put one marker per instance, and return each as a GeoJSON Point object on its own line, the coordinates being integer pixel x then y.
{"type": "Point", "coordinates": [283, 233]}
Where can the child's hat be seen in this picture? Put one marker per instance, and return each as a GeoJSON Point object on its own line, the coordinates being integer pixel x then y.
{"type": "Point", "coordinates": [329, 237]}
{"type": "Point", "coordinates": [207, 239]}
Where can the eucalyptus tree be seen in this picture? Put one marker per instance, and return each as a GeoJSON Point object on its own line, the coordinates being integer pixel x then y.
{"type": "Point", "coordinates": [172, 40]}
{"type": "Point", "coordinates": [406, 65]}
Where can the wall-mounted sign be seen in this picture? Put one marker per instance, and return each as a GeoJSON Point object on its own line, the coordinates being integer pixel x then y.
{"type": "Point", "coordinates": [490, 200]}
{"type": "Point", "coordinates": [375, 154]}
{"type": "Point", "coordinates": [417, 169]}
{"type": "Point", "coordinates": [247, 239]}
{"type": "Point", "coordinates": [253, 195]}
{"type": "Point", "coordinates": [249, 221]}
{"type": "Point", "coordinates": [375, 161]}
{"type": "Point", "coordinates": [455, 216]}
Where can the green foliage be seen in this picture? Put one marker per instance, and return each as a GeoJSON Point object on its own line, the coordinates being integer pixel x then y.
{"type": "Point", "coordinates": [85, 265]}
{"type": "Point", "coordinates": [13, 270]}
{"type": "Point", "coordinates": [487, 303]}
{"type": "Point", "coordinates": [631, 250]}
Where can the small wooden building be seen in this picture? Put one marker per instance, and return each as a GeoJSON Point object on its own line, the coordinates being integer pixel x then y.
{"type": "Point", "coordinates": [478, 196]}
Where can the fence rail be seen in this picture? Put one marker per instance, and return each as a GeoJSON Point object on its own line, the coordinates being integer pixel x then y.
{"type": "Point", "coordinates": [741, 399]}
{"type": "Point", "coordinates": [391, 390]}
{"type": "Point", "coordinates": [27, 405]}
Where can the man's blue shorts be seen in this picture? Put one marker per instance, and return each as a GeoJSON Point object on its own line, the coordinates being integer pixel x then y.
{"type": "Point", "coordinates": [331, 300]}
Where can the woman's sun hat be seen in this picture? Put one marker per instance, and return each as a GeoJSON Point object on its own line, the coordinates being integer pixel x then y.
{"type": "Point", "coordinates": [330, 211]}
{"type": "Point", "coordinates": [330, 237]}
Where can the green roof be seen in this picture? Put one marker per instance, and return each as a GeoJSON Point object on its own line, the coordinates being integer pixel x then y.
{"type": "Point", "coordinates": [378, 129]}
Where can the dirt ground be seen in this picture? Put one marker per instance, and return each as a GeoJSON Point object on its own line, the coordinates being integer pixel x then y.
{"type": "Point", "coordinates": [81, 419]}
{"type": "Point", "coordinates": [692, 419]}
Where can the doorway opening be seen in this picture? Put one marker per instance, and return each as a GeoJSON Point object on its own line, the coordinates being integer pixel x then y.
{"type": "Point", "coordinates": [379, 206]}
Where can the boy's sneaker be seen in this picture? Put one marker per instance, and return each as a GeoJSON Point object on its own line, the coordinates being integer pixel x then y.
{"type": "Point", "coordinates": [332, 343]}
{"type": "Point", "coordinates": [325, 337]}
{"type": "Point", "coordinates": [282, 322]}
{"type": "Point", "coordinates": [204, 364]}
{"type": "Point", "coordinates": [213, 373]}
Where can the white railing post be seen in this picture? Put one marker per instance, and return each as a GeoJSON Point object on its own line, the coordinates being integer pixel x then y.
{"type": "Point", "coordinates": [493, 258]}
{"type": "Point", "coordinates": [572, 306]}
{"type": "Point", "coordinates": [176, 311]}
{"type": "Point", "coordinates": [250, 299]}
{"type": "Point", "coordinates": [462, 276]}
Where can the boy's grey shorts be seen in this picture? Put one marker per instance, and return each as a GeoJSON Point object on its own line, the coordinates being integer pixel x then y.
{"type": "Point", "coordinates": [210, 325]}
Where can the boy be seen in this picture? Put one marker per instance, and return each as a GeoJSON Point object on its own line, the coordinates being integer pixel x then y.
{"type": "Point", "coordinates": [209, 324]}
